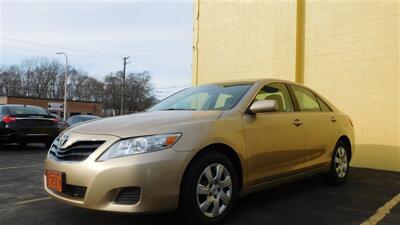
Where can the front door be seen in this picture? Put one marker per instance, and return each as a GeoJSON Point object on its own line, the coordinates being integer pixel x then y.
{"type": "Point", "coordinates": [275, 140]}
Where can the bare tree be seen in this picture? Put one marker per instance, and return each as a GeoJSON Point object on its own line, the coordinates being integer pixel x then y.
{"type": "Point", "coordinates": [10, 81]}
{"type": "Point", "coordinates": [41, 74]}
{"type": "Point", "coordinates": [44, 78]}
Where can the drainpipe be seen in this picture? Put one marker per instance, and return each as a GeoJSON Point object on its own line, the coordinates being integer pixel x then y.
{"type": "Point", "coordinates": [300, 22]}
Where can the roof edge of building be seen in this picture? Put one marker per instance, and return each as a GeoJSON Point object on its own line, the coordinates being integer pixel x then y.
{"type": "Point", "coordinates": [49, 99]}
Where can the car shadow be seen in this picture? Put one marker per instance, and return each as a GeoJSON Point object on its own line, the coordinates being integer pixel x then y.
{"type": "Point", "coordinates": [256, 208]}
{"type": "Point", "coordinates": [310, 201]}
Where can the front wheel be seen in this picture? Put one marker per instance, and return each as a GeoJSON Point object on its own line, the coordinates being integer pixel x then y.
{"type": "Point", "coordinates": [209, 190]}
{"type": "Point", "coordinates": [339, 169]}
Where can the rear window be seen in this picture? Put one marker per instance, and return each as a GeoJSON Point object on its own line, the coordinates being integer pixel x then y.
{"type": "Point", "coordinates": [20, 110]}
{"type": "Point", "coordinates": [74, 119]}
{"type": "Point", "coordinates": [86, 118]}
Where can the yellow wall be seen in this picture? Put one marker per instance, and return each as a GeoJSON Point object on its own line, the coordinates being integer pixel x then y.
{"type": "Point", "coordinates": [351, 57]}
{"type": "Point", "coordinates": [349, 49]}
{"type": "Point", "coordinates": [239, 39]}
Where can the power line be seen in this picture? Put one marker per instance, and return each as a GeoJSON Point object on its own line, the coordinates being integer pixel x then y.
{"type": "Point", "coordinates": [159, 67]}
{"type": "Point", "coordinates": [25, 49]}
{"type": "Point", "coordinates": [48, 52]}
{"type": "Point", "coordinates": [50, 46]}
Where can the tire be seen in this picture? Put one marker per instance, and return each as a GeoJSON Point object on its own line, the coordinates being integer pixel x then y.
{"type": "Point", "coordinates": [339, 169]}
{"type": "Point", "coordinates": [218, 190]}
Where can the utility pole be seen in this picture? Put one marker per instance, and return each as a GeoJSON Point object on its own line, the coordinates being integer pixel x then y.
{"type": "Point", "coordinates": [123, 84]}
{"type": "Point", "coordinates": [65, 83]}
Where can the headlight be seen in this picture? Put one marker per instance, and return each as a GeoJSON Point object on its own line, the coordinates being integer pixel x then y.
{"type": "Point", "coordinates": [139, 145]}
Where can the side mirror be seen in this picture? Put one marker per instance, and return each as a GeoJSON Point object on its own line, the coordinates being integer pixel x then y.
{"type": "Point", "coordinates": [264, 106]}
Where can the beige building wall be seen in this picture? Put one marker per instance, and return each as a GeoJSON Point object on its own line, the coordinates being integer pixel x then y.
{"type": "Point", "coordinates": [352, 58]}
{"type": "Point", "coordinates": [82, 107]}
{"type": "Point", "coordinates": [240, 39]}
{"type": "Point", "coordinates": [349, 52]}
{"type": "Point", "coordinates": [3, 100]}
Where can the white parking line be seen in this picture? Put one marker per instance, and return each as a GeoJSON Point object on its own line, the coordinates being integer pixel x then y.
{"type": "Point", "coordinates": [32, 200]}
{"type": "Point", "coordinates": [20, 167]}
{"type": "Point", "coordinates": [383, 211]}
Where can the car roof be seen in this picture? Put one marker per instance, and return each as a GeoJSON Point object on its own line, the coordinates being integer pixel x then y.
{"type": "Point", "coordinates": [252, 81]}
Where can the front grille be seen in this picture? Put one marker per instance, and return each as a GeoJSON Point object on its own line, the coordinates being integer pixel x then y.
{"type": "Point", "coordinates": [128, 196]}
{"type": "Point", "coordinates": [74, 191]}
{"type": "Point", "coordinates": [78, 151]}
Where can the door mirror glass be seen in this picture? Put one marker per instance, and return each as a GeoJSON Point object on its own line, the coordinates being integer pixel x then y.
{"type": "Point", "coordinates": [264, 106]}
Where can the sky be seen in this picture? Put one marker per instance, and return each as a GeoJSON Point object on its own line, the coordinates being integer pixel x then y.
{"type": "Point", "coordinates": [96, 35]}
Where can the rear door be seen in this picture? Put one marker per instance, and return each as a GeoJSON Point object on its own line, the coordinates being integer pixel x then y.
{"type": "Point", "coordinates": [275, 142]}
{"type": "Point", "coordinates": [320, 126]}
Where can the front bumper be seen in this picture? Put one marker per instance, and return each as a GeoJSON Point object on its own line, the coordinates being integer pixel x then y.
{"type": "Point", "coordinates": [157, 174]}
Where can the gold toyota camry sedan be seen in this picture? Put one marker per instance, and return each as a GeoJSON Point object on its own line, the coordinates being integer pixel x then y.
{"type": "Point", "coordinates": [200, 149]}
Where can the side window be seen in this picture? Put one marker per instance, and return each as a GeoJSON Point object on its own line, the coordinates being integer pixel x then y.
{"type": "Point", "coordinates": [306, 99]}
{"type": "Point", "coordinates": [323, 105]}
{"type": "Point", "coordinates": [277, 92]}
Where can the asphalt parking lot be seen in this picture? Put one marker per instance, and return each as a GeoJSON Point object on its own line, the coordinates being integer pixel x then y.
{"type": "Point", "coordinates": [310, 201]}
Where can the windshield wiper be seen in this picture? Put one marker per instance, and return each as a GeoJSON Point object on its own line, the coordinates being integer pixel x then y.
{"type": "Point", "coordinates": [178, 109]}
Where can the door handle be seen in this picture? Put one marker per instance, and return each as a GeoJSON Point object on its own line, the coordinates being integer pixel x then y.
{"type": "Point", "coordinates": [297, 122]}
{"type": "Point", "coordinates": [333, 119]}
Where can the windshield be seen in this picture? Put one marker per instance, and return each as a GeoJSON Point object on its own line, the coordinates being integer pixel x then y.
{"type": "Point", "coordinates": [205, 97]}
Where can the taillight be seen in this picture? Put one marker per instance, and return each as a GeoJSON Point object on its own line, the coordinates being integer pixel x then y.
{"type": "Point", "coordinates": [9, 119]}
{"type": "Point", "coordinates": [55, 120]}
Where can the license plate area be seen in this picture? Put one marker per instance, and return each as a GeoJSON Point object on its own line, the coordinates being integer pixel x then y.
{"type": "Point", "coordinates": [55, 180]}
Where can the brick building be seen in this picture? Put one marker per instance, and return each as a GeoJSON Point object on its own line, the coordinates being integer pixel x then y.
{"type": "Point", "coordinates": [348, 51]}
{"type": "Point", "coordinates": [55, 106]}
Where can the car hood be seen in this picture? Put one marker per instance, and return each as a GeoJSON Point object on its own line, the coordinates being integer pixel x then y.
{"type": "Point", "coordinates": [145, 123]}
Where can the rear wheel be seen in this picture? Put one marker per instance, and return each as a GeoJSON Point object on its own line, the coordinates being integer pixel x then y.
{"type": "Point", "coordinates": [339, 169]}
{"type": "Point", "coordinates": [209, 190]}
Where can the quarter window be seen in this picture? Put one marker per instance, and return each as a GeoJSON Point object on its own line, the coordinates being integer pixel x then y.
{"type": "Point", "coordinates": [324, 107]}
{"type": "Point", "coordinates": [306, 99]}
{"type": "Point", "coordinates": [277, 92]}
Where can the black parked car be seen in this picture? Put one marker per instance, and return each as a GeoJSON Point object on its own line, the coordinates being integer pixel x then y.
{"type": "Point", "coordinates": [26, 124]}
{"type": "Point", "coordinates": [62, 124]}
{"type": "Point", "coordinates": [73, 120]}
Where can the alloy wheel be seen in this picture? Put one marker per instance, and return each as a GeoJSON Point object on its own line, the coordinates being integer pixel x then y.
{"type": "Point", "coordinates": [341, 162]}
{"type": "Point", "coordinates": [214, 190]}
